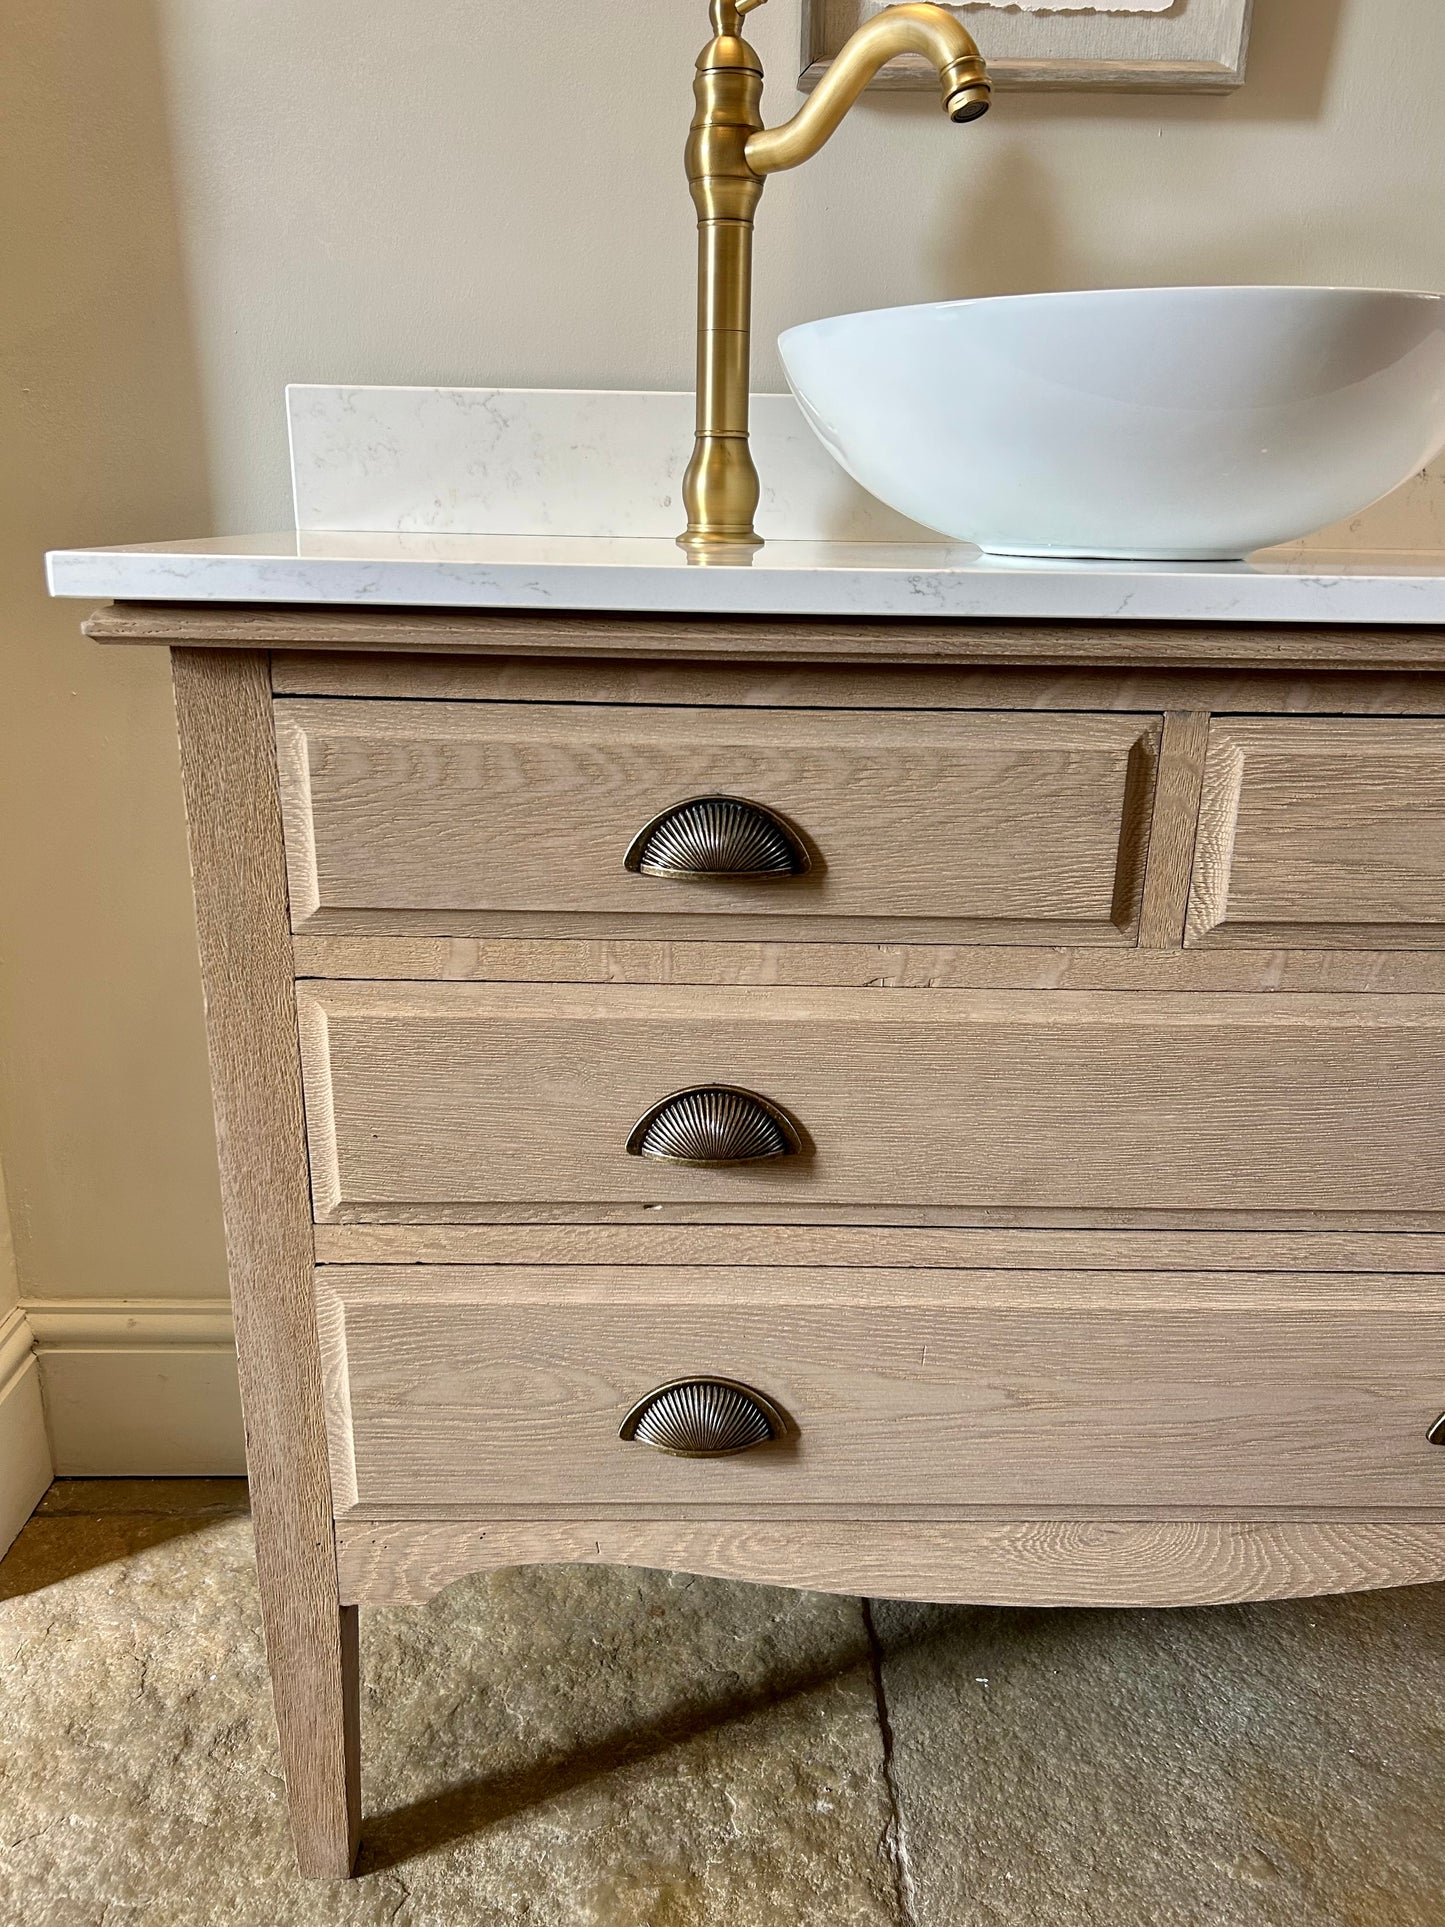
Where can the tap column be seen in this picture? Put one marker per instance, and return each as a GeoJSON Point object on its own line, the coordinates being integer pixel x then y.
{"type": "Point", "coordinates": [720, 490]}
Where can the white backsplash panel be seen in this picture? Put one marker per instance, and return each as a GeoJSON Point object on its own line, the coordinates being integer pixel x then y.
{"type": "Point", "coordinates": [551, 461]}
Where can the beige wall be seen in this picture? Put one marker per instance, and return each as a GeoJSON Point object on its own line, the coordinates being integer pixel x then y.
{"type": "Point", "coordinates": [9, 1282]}
{"type": "Point", "coordinates": [212, 197]}
{"type": "Point", "coordinates": [104, 1130]}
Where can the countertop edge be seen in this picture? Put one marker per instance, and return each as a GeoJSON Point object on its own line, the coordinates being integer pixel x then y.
{"type": "Point", "coordinates": [1363, 591]}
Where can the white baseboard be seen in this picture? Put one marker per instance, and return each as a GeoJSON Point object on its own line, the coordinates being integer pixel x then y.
{"type": "Point", "coordinates": [24, 1452]}
{"type": "Point", "coordinates": [139, 1388]}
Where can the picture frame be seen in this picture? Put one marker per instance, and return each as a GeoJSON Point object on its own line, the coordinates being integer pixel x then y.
{"type": "Point", "coordinates": [1198, 46]}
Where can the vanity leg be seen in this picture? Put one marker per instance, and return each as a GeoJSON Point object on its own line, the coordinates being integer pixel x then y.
{"type": "Point", "coordinates": [228, 765]}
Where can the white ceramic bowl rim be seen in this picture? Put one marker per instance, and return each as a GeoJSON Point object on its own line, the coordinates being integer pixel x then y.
{"type": "Point", "coordinates": [1194, 291]}
{"type": "Point", "coordinates": [1196, 423]}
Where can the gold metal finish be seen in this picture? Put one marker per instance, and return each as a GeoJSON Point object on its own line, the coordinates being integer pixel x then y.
{"type": "Point", "coordinates": [714, 1124]}
{"type": "Point", "coordinates": [704, 1418]}
{"type": "Point", "coordinates": [924, 30]}
{"type": "Point", "coordinates": [729, 156]}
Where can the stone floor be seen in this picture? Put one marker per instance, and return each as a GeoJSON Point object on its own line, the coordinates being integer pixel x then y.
{"type": "Point", "coordinates": [599, 1748]}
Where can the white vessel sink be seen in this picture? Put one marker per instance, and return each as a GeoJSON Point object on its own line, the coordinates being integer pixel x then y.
{"type": "Point", "coordinates": [1192, 424]}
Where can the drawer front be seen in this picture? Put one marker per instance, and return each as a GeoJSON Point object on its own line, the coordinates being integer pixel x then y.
{"type": "Point", "coordinates": [516, 818]}
{"type": "Point", "coordinates": [430, 1101]}
{"type": "Point", "coordinates": [1318, 832]}
{"type": "Point", "coordinates": [475, 1388]}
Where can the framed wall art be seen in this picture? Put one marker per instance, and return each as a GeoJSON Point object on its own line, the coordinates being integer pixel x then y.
{"type": "Point", "coordinates": [1180, 46]}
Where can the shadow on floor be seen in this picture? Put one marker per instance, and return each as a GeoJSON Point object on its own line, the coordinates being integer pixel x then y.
{"type": "Point", "coordinates": [439, 1820]}
{"type": "Point", "coordinates": [82, 1524]}
{"type": "Point", "coordinates": [939, 1663]}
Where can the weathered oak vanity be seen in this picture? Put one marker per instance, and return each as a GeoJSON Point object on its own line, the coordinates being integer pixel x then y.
{"type": "Point", "coordinates": [1085, 1045]}
{"type": "Point", "coordinates": [844, 1065]}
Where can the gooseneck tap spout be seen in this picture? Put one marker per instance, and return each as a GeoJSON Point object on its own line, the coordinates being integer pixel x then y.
{"type": "Point", "coordinates": [924, 30]}
{"type": "Point", "coordinates": [729, 157]}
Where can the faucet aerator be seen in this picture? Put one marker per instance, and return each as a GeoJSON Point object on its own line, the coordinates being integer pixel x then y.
{"type": "Point", "coordinates": [969, 103]}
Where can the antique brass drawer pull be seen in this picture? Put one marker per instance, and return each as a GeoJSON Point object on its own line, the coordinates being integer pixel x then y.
{"type": "Point", "coordinates": [1436, 1434]}
{"type": "Point", "coordinates": [715, 1124]}
{"type": "Point", "coordinates": [717, 836]}
{"type": "Point", "coordinates": [704, 1418]}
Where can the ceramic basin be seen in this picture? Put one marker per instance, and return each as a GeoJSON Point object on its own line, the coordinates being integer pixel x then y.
{"type": "Point", "coordinates": [1161, 424]}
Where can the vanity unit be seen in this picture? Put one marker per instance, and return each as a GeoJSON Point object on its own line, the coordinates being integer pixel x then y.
{"type": "Point", "coordinates": [969, 1090]}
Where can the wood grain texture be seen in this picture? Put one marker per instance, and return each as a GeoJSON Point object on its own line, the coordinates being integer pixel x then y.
{"type": "Point", "coordinates": [776, 684]}
{"type": "Point", "coordinates": [223, 706]}
{"type": "Point", "coordinates": [479, 817]}
{"type": "Point", "coordinates": [1331, 831]}
{"type": "Point", "coordinates": [879, 1217]}
{"type": "Point", "coordinates": [897, 1246]}
{"type": "Point", "coordinates": [1221, 1409]}
{"type": "Point", "coordinates": [478, 1387]}
{"type": "Point", "coordinates": [439, 1097]}
{"type": "Point", "coordinates": [1172, 836]}
{"type": "Point", "coordinates": [331, 1332]}
{"type": "Point", "coordinates": [773, 639]}
{"type": "Point", "coordinates": [1085, 1562]}
{"type": "Point", "coordinates": [1200, 48]}
{"type": "Point", "coordinates": [874, 966]}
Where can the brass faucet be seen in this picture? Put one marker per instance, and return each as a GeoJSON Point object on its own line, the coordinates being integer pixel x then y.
{"type": "Point", "coordinates": [729, 157]}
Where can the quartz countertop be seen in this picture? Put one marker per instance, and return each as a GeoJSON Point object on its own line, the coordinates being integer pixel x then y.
{"type": "Point", "coordinates": [786, 578]}
{"type": "Point", "coordinates": [562, 500]}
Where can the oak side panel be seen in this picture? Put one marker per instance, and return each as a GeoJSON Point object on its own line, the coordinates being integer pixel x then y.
{"type": "Point", "coordinates": [1087, 1562]}
{"type": "Point", "coordinates": [223, 707]}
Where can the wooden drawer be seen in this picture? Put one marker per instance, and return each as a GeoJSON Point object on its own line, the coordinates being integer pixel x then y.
{"type": "Point", "coordinates": [515, 819]}
{"type": "Point", "coordinates": [434, 1101]}
{"type": "Point", "coordinates": [498, 1387]}
{"type": "Point", "coordinates": [1321, 832]}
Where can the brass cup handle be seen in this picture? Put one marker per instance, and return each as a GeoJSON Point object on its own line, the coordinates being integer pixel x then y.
{"type": "Point", "coordinates": [704, 1418]}
{"type": "Point", "coordinates": [717, 836]}
{"type": "Point", "coordinates": [715, 1124]}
